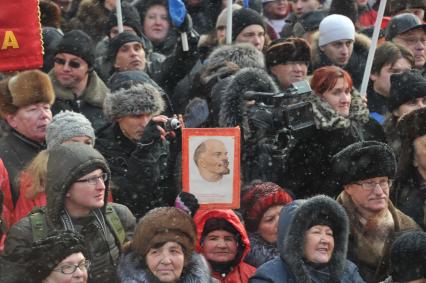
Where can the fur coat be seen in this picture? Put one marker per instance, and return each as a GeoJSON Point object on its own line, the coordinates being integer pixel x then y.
{"type": "Point", "coordinates": [131, 270]}
{"type": "Point", "coordinates": [307, 164]}
{"type": "Point", "coordinates": [369, 245]}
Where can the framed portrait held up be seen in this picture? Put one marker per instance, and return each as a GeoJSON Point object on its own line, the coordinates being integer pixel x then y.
{"type": "Point", "coordinates": [211, 166]}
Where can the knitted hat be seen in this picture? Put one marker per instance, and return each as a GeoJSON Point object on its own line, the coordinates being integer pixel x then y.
{"type": "Point", "coordinates": [408, 257]}
{"type": "Point", "coordinates": [78, 43]}
{"type": "Point", "coordinates": [23, 89]}
{"type": "Point", "coordinates": [402, 23]}
{"type": "Point", "coordinates": [361, 161]}
{"type": "Point", "coordinates": [47, 253]}
{"type": "Point", "coordinates": [406, 86]}
{"type": "Point", "coordinates": [138, 99]}
{"type": "Point", "coordinates": [221, 19]}
{"type": "Point", "coordinates": [243, 18]}
{"type": "Point", "coordinates": [258, 199]}
{"type": "Point", "coordinates": [130, 18]}
{"type": "Point", "coordinates": [161, 225]}
{"type": "Point", "coordinates": [66, 125]}
{"type": "Point", "coordinates": [412, 125]}
{"type": "Point", "coordinates": [120, 40]}
{"type": "Point", "coordinates": [335, 27]}
{"type": "Point", "coordinates": [281, 51]}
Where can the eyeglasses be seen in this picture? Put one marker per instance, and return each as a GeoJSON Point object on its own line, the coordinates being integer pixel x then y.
{"type": "Point", "coordinates": [72, 64]}
{"type": "Point", "coordinates": [71, 268]}
{"type": "Point", "coordinates": [369, 186]}
{"type": "Point", "coordinates": [412, 40]}
{"type": "Point", "coordinates": [94, 180]}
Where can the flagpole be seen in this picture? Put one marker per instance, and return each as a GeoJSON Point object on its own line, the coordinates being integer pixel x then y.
{"type": "Point", "coordinates": [119, 16]}
{"type": "Point", "coordinates": [229, 22]}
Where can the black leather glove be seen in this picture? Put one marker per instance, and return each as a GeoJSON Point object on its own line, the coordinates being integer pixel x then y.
{"type": "Point", "coordinates": [150, 133]}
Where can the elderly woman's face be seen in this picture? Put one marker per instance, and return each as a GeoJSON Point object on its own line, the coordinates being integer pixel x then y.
{"type": "Point", "coordinates": [68, 272]}
{"type": "Point", "coordinates": [319, 244]}
{"type": "Point", "coordinates": [166, 262]}
{"type": "Point", "coordinates": [268, 226]}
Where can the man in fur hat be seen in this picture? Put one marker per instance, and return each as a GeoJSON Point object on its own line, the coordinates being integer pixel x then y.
{"type": "Point", "coordinates": [288, 60]}
{"type": "Point", "coordinates": [25, 101]}
{"type": "Point", "coordinates": [364, 170]}
{"type": "Point", "coordinates": [77, 86]}
{"type": "Point", "coordinates": [135, 149]}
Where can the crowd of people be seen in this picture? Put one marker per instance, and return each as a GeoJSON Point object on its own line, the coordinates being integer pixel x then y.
{"type": "Point", "coordinates": [333, 181]}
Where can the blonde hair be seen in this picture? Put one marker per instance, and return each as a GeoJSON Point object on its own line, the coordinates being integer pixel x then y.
{"type": "Point", "coordinates": [36, 173]}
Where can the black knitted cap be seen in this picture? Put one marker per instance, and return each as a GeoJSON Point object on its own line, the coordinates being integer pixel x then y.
{"type": "Point", "coordinates": [120, 40]}
{"type": "Point", "coordinates": [78, 43]}
{"type": "Point", "coordinates": [243, 18]}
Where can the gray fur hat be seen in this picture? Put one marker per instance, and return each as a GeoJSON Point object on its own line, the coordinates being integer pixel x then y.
{"type": "Point", "coordinates": [242, 54]}
{"type": "Point", "coordinates": [361, 161]}
{"type": "Point", "coordinates": [66, 125]}
{"type": "Point", "coordinates": [138, 99]}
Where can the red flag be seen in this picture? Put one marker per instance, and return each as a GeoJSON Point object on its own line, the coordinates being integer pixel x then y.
{"type": "Point", "coordinates": [20, 35]}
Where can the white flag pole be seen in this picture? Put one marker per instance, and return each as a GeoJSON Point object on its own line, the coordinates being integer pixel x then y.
{"type": "Point", "coordinates": [373, 46]}
{"type": "Point", "coordinates": [119, 15]}
{"type": "Point", "coordinates": [229, 22]}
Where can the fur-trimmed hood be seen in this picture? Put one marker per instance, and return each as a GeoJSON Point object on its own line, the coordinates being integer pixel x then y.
{"type": "Point", "coordinates": [131, 270]}
{"type": "Point", "coordinates": [327, 118]}
{"type": "Point", "coordinates": [94, 94]}
{"type": "Point", "coordinates": [66, 164]}
{"type": "Point", "coordinates": [233, 110]}
{"type": "Point", "coordinates": [308, 213]}
{"type": "Point", "coordinates": [356, 64]}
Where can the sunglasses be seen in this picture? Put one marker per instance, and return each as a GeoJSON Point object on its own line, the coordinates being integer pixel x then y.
{"type": "Point", "coordinates": [72, 64]}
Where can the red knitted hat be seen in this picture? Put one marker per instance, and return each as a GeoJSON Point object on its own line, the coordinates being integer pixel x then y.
{"type": "Point", "coordinates": [258, 199]}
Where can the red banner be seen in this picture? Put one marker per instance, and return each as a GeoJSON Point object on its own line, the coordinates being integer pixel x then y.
{"type": "Point", "coordinates": [20, 35]}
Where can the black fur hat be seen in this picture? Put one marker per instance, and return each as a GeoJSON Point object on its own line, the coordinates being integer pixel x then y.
{"type": "Point", "coordinates": [243, 18]}
{"type": "Point", "coordinates": [281, 51]}
{"type": "Point", "coordinates": [47, 253]}
{"type": "Point", "coordinates": [138, 99]}
{"type": "Point", "coordinates": [361, 161]}
{"type": "Point", "coordinates": [406, 86]}
{"type": "Point", "coordinates": [412, 126]}
{"type": "Point", "coordinates": [78, 43]}
{"type": "Point", "coordinates": [318, 210]}
{"type": "Point", "coordinates": [408, 257]}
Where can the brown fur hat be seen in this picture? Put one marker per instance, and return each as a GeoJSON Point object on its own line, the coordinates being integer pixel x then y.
{"type": "Point", "coordinates": [50, 14]}
{"type": "Point", "coordinates": [291, 49]}
{"type": "Point", "coordinates": [162, 225]}
{"type": "Point", "coordinates": [23, 89]}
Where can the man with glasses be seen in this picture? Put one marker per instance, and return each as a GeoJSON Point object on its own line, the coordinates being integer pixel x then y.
{"type": "Point", "coordinates": [77, 86]}
{"type": "Point", "coordinates": [407, 29]}
{"type": "Point", "coordinates": [76, 192]}
{"type": "Point", "coordinates": [364, 170]}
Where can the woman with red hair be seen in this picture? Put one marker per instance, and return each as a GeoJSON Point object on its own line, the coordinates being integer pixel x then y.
{"type": "Point", "coordinates": [341, 118]}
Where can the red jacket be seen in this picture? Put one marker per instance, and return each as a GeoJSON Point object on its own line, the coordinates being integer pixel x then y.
{"type": "Point", "coordinates": [242, 271]}
{"type": "Point", "coordinates": [7, 215]}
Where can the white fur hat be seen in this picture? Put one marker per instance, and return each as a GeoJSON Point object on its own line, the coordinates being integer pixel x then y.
{"type": "Point", "coordinates": [335, 27]}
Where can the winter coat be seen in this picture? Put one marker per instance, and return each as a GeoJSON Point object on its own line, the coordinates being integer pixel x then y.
{"type": "Point", "coordinates": [290, 266]}
{"type": "Point", "coordinates": [90, 103]}
{"type": "Point", "coordinates": [92, 18]}
{"type": "Point", "coordinates": [241, 271]}
{"type": "Point", "coordinates": [356, 65]}
{"type": "Point", "coordinates": [308, 161]}
{"type": "Point", "coordinates": [102, 244]}
{"type": "Point", "coordinates": [260, 251]}
{"type": "Point", "coordinates": [409, 195]}
{"type": "Point", "coordinates": [374, 266]}
{"type": "Point", "coordinates": [139, 173]}
{"type": "Point", "coordinates": [131, 270]}
{"type": "Point", "coordinates": [16, 151]}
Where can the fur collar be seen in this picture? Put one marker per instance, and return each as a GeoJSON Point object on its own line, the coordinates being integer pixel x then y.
{"type": "Point", "coordinates": [131, 269]}
{"type": "Point", "coordinates": [328, 119]}
{"type": "Point", "coordinates": [94, 94]}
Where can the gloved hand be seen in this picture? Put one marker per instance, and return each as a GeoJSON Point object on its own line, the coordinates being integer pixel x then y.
{"type": "Point", "coordinates": [186, 26]}
{"type": "Point", "coordinates": [150, 133]}
{"type": "Point", "coordinates": [187, 202]}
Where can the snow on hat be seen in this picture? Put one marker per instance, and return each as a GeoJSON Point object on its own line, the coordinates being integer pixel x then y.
{"type": "Point", "coordinates": [78, 43]}
{"type": "Point", "coordinates": [335, 27]}
{"type": "Point", "coordinates": [406, 86]}
{"type": "Point", "coordinates": [66, 125]}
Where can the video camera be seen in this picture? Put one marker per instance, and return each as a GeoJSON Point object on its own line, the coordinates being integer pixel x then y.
{"type": "Point", "coordinates": [285, 109]}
